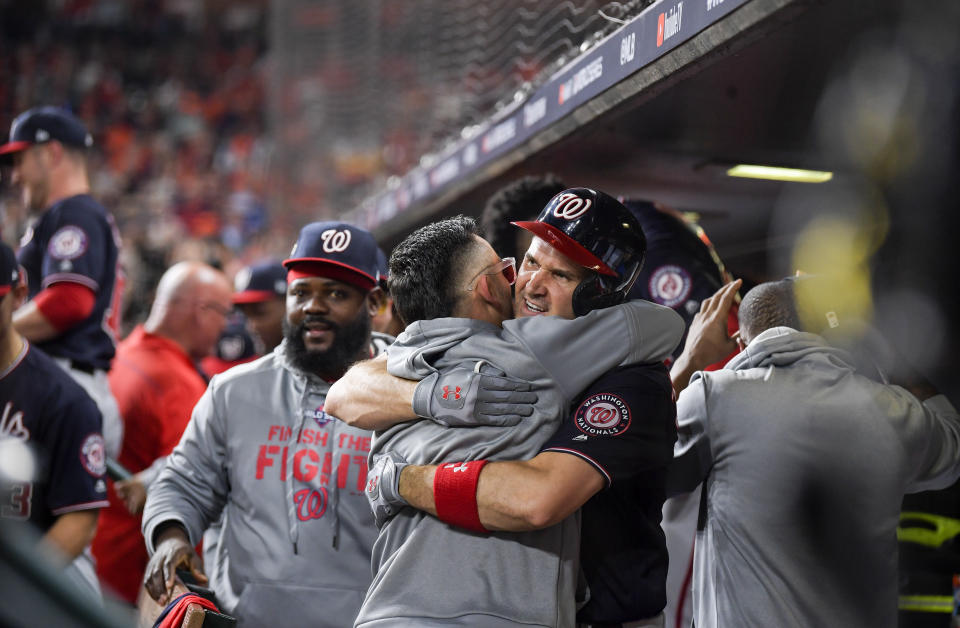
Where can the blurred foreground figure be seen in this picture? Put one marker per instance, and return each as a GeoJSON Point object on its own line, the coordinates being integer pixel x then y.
{"type": "Point", "coordinates": [70, 254]}
{"type": "Point", "coordinates": [156, 384]}
{"type": "Point", "coordinates": [805, 463]}
{"type": "Point", "coordinates": [57, 481]}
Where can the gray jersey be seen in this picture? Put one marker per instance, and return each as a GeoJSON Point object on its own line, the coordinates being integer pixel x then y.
{"type": "Point", "coordinates": [428, 573]}
{"type": "Point", "coordinates": [808, 462]}
{"type": "Point", "coordinates": [296, 532]}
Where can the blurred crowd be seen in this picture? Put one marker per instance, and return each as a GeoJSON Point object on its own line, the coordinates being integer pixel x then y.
{"type": "Point", "coordinates": [173, 95]}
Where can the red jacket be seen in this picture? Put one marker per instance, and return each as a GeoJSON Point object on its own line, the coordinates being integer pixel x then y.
{"type": "Point", "coordinates": [156, 386]}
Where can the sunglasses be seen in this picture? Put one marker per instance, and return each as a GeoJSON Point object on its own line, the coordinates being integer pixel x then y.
{"type": "Point", "coordinates": [507, 267]}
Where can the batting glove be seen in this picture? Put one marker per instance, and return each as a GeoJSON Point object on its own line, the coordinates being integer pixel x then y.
{"type": "Point", "coordinates": [383, 486]}
{"type": "Point", "coordinates": [464, 397]}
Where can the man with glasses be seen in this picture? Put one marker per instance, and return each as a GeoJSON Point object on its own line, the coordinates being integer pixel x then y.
{"type": "Point", "coordinates": [70, 253]}
{"type": "Point", "coordinates": [525, 576]}
{"type": "Point", "coordinates": [282, 479]}
{"type": "Point", "coordinates": [156, 383]}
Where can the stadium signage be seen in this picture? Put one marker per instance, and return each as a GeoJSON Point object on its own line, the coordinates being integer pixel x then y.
{"type": "Point", "coordinates": [668, 24]}
{"type": "Point", "coordinates": [534, 112]}
{"type": "Point", "coordinates": [581, 80]}
{"type": "Point", "coordinates": [660, 28]}
{"type": "Point", "coordinates": [446, 171]}
{"type": "Point", "coordinates": [500, 135]}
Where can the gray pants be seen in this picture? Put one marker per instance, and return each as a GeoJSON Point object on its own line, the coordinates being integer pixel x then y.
{"type": "Point", "coordinates": [82, 573]}
{"type": "Point", "coordinates": [98, 388]}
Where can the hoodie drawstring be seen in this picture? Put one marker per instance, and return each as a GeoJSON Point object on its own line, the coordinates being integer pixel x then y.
{"type": "Point", "coordinates": [335, 494]}
{"type": "Point", "coordinates": [293, 521]}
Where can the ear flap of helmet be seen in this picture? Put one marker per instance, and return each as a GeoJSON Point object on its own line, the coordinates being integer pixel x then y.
{"type": "Point", "coordinates": [599, 291]}
{"type": "Point", "coordinates": [595, 293]}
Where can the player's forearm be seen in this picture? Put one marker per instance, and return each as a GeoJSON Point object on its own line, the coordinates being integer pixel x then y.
{"type": "Point", "coordinates": [416, 486]}
{"type": "Point", "coordinates": [72, 532]}
{"type": "Point", "coordinates": [32, 324]}
{"type": "Point", "coordinates": [368, 397]}
{"type": "Point", "coordinates": [519, 496]}
{"type": "Point", "coordinates": [512, 496]}
{"type": "Point", "coordinates": [171, 529]}
{"type": "Point", "coordinates": [681, 372]}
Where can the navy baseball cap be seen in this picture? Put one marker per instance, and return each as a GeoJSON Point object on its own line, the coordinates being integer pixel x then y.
{"type": "Point", "coordinates": [44, 124]}
{"type": "Point", "coordinates": [260, 282]}
{"type": "Point", "coordinates": [9, 269]}
{"type": "Point", "coordinates": [235, 346]}
{"type": "Point", "coordinates": [335, 250]}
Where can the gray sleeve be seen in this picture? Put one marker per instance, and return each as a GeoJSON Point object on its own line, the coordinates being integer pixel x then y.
{"type": "Point", "coordinates": [692, 457]}
{"type": "Point", "coordinates": [932, 439]}
{"type": "Point", "coordinates": [576, 352]}
{"type": "Point", "coordinates": [192, 487]}
{"type": "Point", "coordinates": [149, 475]}
{"type": "Point", "coordinates": [413, 354]}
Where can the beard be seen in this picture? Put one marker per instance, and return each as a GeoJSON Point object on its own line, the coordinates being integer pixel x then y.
{"type": "Point", "coordinates": [349, 341]}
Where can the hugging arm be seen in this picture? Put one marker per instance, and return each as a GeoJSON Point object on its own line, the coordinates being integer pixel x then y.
{"type": "Point", "coordinates": [370, 398]}
{"type": "Point", "coordinates": [511, 495]}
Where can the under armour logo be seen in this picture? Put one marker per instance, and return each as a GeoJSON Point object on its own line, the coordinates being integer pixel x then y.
{"type": "Point", "coordinates": [335, 241]}
{"type": "Point", "coordinates": [446, 392]}
{"type": "Point", "coordinates": [457, 469]}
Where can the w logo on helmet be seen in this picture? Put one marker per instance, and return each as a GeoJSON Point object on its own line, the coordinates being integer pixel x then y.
{"type": "Point", "coordinates": [335, 241]}
{"type": "Point", "coordinates": [570, 206]}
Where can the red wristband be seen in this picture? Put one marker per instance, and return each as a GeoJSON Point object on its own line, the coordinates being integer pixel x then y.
{"type": "Point", "coordinates": [455, 494]}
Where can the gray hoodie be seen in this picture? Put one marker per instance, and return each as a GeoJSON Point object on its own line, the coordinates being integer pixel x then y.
{"type": "Point", "coordinates": [808, 462]}
{"type": "Point", "coordinates": [429, 573]}
{"type": "Point", "coordinates": [293, 545]}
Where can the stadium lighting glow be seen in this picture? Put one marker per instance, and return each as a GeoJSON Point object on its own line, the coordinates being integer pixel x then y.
{"type": "Point", "coordinates": [773, 173]}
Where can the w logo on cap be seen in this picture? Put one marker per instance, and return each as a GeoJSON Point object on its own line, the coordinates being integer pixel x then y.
{"type": "Point", "coordinates": [335, 241]}
{"type": "Point", "coordinates": [570, 206]}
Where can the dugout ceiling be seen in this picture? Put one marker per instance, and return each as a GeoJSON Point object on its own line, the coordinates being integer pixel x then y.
{"type": "Point", "coordinates": [747, 86]}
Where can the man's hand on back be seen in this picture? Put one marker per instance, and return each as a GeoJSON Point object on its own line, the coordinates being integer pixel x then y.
{"type": "Point", "coordinates": [383, 486]}
{"type": "Point", "coordinates": [463, 397]}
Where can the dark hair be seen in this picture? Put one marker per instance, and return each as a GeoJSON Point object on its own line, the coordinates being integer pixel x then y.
{"type": "Point", "coordinates": [427, 266]}
{"type": "Point", "coordinates": [521, 200]}
{"type": "Point", "coordinates": [771, 304]}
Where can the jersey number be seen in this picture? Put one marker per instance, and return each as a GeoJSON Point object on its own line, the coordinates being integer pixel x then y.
{"type": "Point", "coordinates": [18, 505]}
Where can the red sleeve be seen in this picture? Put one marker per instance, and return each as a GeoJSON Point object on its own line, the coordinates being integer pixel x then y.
{"type": "Point", "coordinates": [65, 303]}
